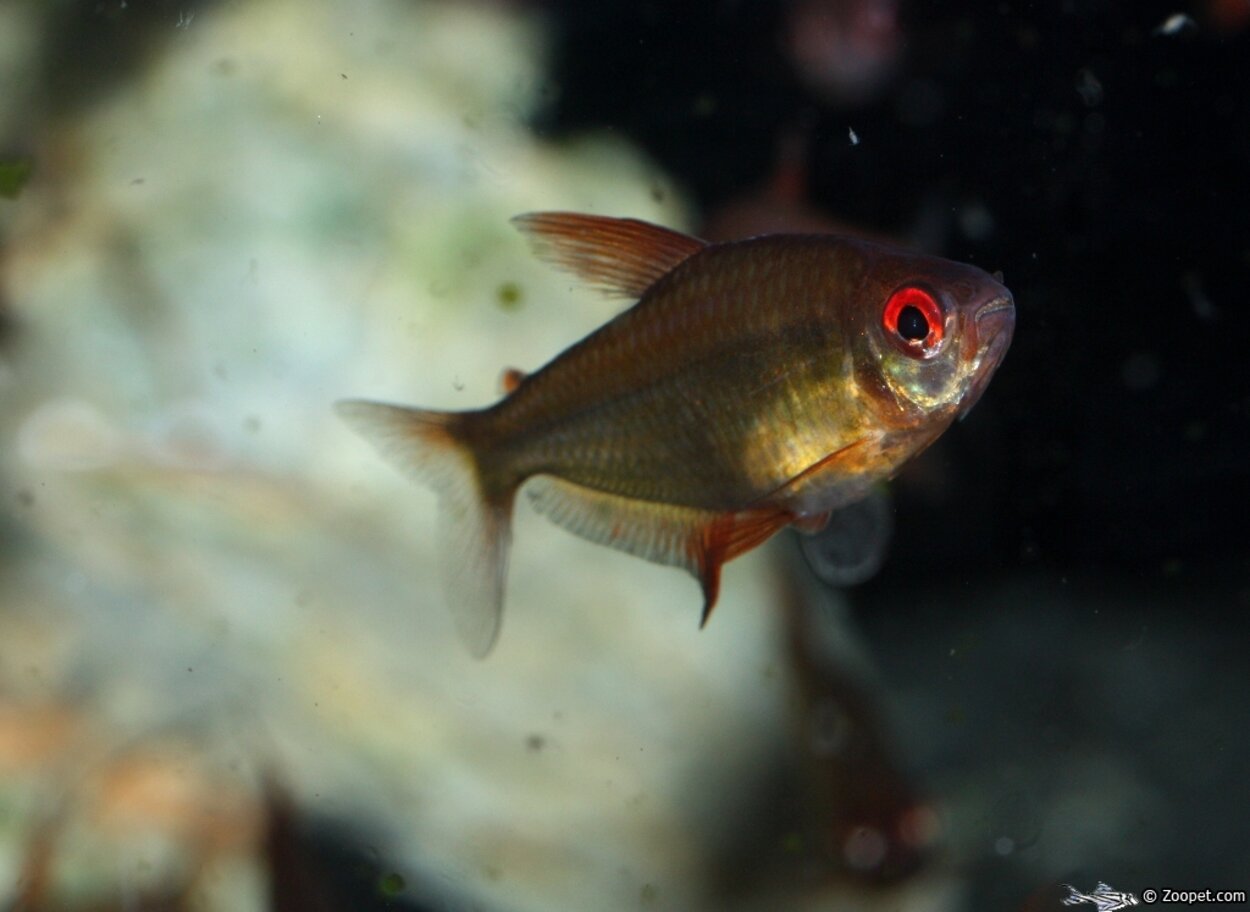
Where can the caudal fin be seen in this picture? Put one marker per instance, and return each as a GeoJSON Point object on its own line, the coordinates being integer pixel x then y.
{"type": "Point", "coordinates": [475, 527]}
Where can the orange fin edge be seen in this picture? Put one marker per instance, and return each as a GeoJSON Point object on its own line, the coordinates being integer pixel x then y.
{"type": "Point", "coordinates": [696, 540]}
{"type": "Point", "coordinates": [728, 536]}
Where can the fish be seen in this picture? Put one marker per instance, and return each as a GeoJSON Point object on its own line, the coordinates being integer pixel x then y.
{"type": "Point", "coordinates": [1103, 898]}
{"type": "Point", "coordinates": [753, 385]}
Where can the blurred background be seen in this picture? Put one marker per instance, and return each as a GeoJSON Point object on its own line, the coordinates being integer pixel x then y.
{"type": "Point", "coordinates": [227, 681]}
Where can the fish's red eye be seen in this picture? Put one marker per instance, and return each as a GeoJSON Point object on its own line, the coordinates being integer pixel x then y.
{"type": "Point", "coordinates": [913, 318]}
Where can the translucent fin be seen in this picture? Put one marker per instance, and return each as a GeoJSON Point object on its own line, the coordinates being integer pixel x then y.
{"type": "Point", "coordinates": [853, 545]}
{"type": "Point", "coordinates": [699, 541]}
{"type": "Point", "coordinates": [813, 524]}
{"type": "Point", "coordinates": [660, 533]}
{"type": "Point", "coordinates": [475, 530]}
{"type": "Point", "coordinates": [841, 461]}
{"type": "Point", "coordinates": [622, 257]}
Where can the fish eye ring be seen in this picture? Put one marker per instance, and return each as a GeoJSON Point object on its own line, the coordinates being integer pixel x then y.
{"type": "Point", "coordinates": [913, 320]}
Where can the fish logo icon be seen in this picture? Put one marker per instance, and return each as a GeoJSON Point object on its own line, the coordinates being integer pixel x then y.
{"type": "Point", "coordinates": [1103, 897]}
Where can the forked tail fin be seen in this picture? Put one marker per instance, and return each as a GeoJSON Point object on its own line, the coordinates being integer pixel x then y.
{"type": "Point", "coordinates": [475, 525]}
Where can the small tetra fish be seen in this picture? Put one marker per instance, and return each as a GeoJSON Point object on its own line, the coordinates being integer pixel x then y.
{"type": "Point", "coordinates": [756, 384]}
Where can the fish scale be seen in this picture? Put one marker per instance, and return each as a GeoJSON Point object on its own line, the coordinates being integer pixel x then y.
{"type": "Point", "coordinates": [672, 409]}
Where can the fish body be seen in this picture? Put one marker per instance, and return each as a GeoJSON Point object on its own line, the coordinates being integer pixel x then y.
{"type": "Point", "coordinates": [754, 384]}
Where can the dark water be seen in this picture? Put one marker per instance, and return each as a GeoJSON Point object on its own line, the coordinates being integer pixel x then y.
{"type": "Point", "coordinates": [1070, 571]}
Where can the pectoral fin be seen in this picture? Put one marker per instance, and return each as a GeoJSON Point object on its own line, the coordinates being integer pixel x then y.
{"type": "Point", "coordinates": [854, 543]}
{"type": "Point", "coordinates": [813, 523]}
{"type": "Point", "coordinates": [846, 462]}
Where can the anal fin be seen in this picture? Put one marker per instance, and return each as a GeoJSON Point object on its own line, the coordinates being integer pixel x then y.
{"type": "Point", "coordinates": [726, 537]}
{"type": "Point", "coordinates": [699, 541]}
{"type": "Point", "coordinates": [657, 532]}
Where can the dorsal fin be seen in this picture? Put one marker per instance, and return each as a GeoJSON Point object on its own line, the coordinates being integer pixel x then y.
{"type": "Point", "coordinates": [622, 257]}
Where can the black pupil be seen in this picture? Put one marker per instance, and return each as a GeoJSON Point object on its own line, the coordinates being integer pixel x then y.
{"type": "Point", "coordinates": [912, 324]}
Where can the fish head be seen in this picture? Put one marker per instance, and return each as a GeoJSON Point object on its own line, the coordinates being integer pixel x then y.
{"type": "Point", "coordinates": [930, 333]}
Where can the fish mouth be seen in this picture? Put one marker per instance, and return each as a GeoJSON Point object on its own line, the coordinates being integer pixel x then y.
{"type": "Point", "coordinates": [992, 327]}
{"type": "Point", "coordinates": [1001, 304]}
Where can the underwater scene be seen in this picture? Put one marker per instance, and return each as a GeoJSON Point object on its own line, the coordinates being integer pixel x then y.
{"type": "Point", "coordinates": [555, 456]}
